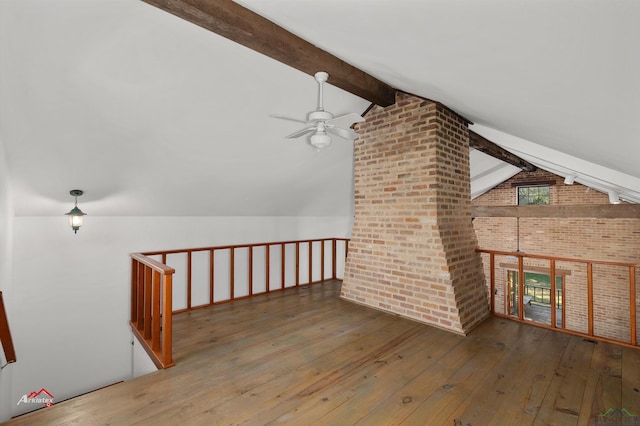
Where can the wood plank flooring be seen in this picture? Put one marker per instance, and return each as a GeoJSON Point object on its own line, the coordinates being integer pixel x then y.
{"type": "Point", "coordinates": [304, 356]}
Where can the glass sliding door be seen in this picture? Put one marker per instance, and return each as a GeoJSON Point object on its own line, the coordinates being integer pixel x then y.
{"type": "Point", "coordinates": [536, 298]}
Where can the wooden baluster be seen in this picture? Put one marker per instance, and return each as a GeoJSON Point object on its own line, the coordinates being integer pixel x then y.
{"type": "Point", "coordinates": [155, 312]}
{"type": "Point", "coordinates": [492, 279]}
{"type": "Point", "coordinates": [282, 264]}
{"type": "Point", "coordinates": [590, 296]}
{"type": "Point", "coordinates": [167, 314]}
{"type": "Point", "coordinates": [310, 262]}
{"type": "Point", "coordinates": [147, 302]}
{"type": "Point", "coordinates": [188, 280]}
{"type": "Point", "coordinates": [134, 292]}
{"type": "Point", "coordinates": [563, 304]}
{"type": "Point", "coordinates": [632, 305]}
{"type": "Point", "coordinates": [232, 273]}
{"type": "Point", "coordinates": [140, 298]}
{"type": "Point", "coordinates": [520, 287]}
{"type": "Point", "coordinates": [507, 301]}
{"type": "Point", "coordinates": [297, 263]}
{"type": "Point", "coordinates": [334, 258]}
{"type": "Point", "coordinates": [211, 277]}
{"type": "Point", "coordinates": [250, 270]}
{"type": "Point", "coordinates": [322, 261]}
{"type": "Point", "coordinates": [267, 271]}
{"type": "Point", "coordinates": [552, 291]}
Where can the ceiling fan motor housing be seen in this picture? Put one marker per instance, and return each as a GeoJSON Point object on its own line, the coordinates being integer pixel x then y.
{"type": "Point", "coordinates": [319, 116]}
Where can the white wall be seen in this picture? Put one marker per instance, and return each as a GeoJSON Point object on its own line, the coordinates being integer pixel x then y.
{"type": "Point", "coordinates": [71, 330]}
{"type": "Point", "coordinates": [141, 363]}
{"type": "Point", "coordinates": [6, 279]}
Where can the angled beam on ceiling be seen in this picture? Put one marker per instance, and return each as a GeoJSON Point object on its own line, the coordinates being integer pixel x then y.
{"type": "Point", "coordinates": [484, 145]}
{"type": "Point", "coordinates": [230, 20]}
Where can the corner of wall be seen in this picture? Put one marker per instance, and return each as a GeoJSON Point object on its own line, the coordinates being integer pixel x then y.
{"type": "Point", "coordinates": [6, 275]}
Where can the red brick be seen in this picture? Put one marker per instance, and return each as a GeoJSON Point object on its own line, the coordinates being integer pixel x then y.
{"type": "Point", "coordinates": [416, 197]}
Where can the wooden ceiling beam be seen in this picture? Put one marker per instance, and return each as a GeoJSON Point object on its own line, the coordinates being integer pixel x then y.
{"type": "Point", "coordinates": [485, 145]}
{"type": "Point", "coordinates": [237, 23]}
{"type": "Point", "coordinates": [599, 211]}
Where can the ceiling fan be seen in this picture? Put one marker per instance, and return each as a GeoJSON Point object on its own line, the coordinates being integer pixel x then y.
{"type": "Point", "coordinates": [322, 123]}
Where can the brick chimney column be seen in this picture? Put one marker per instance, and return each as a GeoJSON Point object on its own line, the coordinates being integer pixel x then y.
{"type": "Point", "coordinates": [412, 249]}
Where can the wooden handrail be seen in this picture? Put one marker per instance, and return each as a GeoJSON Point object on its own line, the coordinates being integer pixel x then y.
{"type": "Point", "coordinates": [230, 246]}
{"type": "Point", "coordinates": [152, 263]}
{"type": "Point", "coordinates": [5, 335]}
{"type": "Point", "coordinates": [589, 293]}
{"type": "Point", "coordinates": [151, 286]}
{"type": "Point", "coordinates": [557, 258]}
{"type": "Point", "coordinates": [151, 307]}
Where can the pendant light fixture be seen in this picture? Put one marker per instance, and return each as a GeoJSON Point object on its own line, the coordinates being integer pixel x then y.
{"type": "Point", "coordinates": [75, 215]}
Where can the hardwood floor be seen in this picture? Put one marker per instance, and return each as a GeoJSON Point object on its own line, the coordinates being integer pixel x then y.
{"type": "Point", "coordinates": [306, 357]}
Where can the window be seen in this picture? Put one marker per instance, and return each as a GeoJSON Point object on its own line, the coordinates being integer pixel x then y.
{"type": "Point", "coordinates": [533, 195]}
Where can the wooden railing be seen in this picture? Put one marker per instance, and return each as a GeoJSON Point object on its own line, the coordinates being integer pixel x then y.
{"type": "Point", "coordinates": [175, 281]}
{"type": "Point", "coordinates": [151, 312]}
{"type": "Point", "coordinates": [600, 305]}
{"type": "Point", "coordinates": [5, 335]}
{"type": "Point", "coordinates": [541, 294]}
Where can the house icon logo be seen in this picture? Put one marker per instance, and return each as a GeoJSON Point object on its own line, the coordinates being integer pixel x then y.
{"type": "Point", "coordinates": [43, 396]}
{"type": "Point", "coordinates": [617, 416]}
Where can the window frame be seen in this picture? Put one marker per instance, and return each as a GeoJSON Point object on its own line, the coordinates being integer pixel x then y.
{"type": "Point", "coordinates": [529, 186]}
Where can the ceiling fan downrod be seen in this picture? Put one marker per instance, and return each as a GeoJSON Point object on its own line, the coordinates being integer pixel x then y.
{"type": "Point", "coordinates": [321, 77]}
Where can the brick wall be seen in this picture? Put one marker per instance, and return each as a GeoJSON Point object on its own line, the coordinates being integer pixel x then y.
{"type": "Point", "coordinates": [586, 238]}
{"type": "Point", "coordinates": [412, 249]}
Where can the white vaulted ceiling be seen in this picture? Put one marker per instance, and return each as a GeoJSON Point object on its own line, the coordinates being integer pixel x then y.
{"type": "Point", "coordinates": [152, 115]}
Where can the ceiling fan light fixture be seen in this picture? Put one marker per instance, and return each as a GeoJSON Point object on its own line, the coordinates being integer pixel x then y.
{"type": "Point", "coordinates": [320, 140]}
{"type": "Point", "coordinates": [321, 122]}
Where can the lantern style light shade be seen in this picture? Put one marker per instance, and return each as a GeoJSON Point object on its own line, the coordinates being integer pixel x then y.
{"type": "Point", "coordinates": [75, 215]}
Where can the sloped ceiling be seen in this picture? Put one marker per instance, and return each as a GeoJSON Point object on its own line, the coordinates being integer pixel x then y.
{"type": "Point", "coordinates": [152, 115]}
{"type": "Point", "coordinates": [546, 74]}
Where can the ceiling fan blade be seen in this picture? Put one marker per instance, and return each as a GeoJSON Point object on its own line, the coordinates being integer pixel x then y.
{"type": "Point", "coordinates": [289, 119]}
{"type": "Point", "coordinates": [346, 120]}
{"type": "Point", "coordinates": [302, 132]}
{"type": "Point", "coordinates": [343, 133]}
